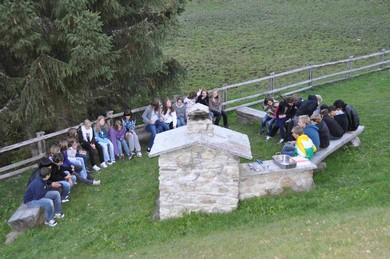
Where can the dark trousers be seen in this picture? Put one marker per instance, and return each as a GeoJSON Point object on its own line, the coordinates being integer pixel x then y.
{"type": "Point", "coordinates": [217, 115]}
{"type": "Point", "coordinates": [94, 154]}
{"type": "Point", "coordinates": [88, 180]}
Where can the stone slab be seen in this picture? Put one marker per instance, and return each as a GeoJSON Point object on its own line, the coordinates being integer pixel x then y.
{"type": "Point", "coordinates": [25, 218]}
{"type": "Point", "coordinates": [224, 139]}
{"type": "Point", "coordinates": [249, 115]}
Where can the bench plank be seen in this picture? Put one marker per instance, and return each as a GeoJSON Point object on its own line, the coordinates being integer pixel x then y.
{"type": "Point", "coordinates": [249, 115]}
{"type": "Point", "coordinates": [351, 136]}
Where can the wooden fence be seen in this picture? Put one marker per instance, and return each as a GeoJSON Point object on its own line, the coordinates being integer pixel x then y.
{"type": "Point", "coordinates": [246, 93]}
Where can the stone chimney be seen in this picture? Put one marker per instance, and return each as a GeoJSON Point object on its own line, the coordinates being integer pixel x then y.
{"type": "Point", "coordinates": [199, 121]}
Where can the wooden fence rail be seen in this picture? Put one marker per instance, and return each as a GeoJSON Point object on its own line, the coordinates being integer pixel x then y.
{"type": "Point", "coordinates": [310, 81]}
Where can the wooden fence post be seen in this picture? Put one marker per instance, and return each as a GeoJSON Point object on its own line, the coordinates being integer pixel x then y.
{"type": "Point", "coordinates": [41, 145]}
{"type": "Point", "coordinates": [310, 74]}
{"type": "Point", "coordinates": [382, 58]}
{"type": "Point", "coordinates": [271, 82]}
{"type": "Point", "coordinates": [349, 66]}
{"type": "Point", "coordinates": [224, 96]}
{"type": "Point", "coordinates": [109, 117]}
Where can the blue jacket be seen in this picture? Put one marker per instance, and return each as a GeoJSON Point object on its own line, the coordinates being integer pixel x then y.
{"type": "Point", "coordinates": [36, 190]}
{"type": "Point", "coordinates": [101, 136]}
{"type": "Point", "coordinates": [312, 132]}
{"type": "Point", "coordinates": [129, 125]}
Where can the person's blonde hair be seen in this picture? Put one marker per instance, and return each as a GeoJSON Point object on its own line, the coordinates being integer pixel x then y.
{"type": "Point", "coordinates": [297, 130]}
{"type": "Point", "coordinates": [98, 127]}
{"type": "Point", "coordinates": [304, 119]}
{"type": "Point", "coordinates": [54, 149]}
{"type": "Point", "coordinates": [72, 132]}
{"type": "Point", "coordinates": [319, 99]}
{"type": "Point", "coordinates": [63, 144]}
{"type": "Point", "coordinates": [87, 123]}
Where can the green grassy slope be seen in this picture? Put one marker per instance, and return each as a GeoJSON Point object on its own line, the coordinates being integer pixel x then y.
{"type": "Point", "coordinates": [116, 217]}
{"type": "Point", "coordinates": [333, 235]}
{"type": "Point", "coordinates": [229, 41]}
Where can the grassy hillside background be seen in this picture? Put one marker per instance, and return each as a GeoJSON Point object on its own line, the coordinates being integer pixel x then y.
{"type": "Point", "coordinates": [346, 215]}
{"type": "Point", "coordinates": [228, 41]}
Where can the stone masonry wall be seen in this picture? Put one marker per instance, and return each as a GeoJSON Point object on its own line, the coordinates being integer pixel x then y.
{"type": "Point", "coordinates": [274, 180]}
{"type": "Point", "coordinates": [197, 179]}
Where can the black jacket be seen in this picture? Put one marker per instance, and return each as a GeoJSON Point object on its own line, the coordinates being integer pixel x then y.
{"type": "Point", "coordinates": [335, 129]}
{"type": "Point", "coordinates": [57, 174]}
{"type": "Point", "coordinates": [324, 133]}
{"type": "Point", "coordinates": [308, 107]}
{"type": "Point", "coordinates": [204, 101]}
{"type": "Point", "coordinates": [353, 117]}
{"type": "Point", "coordinates": [342, 120]}
{"type": "Point", "coordinates": [85, 144]}
{"type": "Point", "coordinates": [284, 108]}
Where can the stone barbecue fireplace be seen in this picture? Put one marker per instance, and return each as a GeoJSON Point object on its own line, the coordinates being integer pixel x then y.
{"type": "Point", "coordinates": [199, 166]}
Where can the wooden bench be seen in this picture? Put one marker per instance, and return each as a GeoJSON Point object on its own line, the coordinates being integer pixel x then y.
{"type": "Point", "coordinates": [249, 115]}
{"type": "Point", "coordinates": [351, 136]}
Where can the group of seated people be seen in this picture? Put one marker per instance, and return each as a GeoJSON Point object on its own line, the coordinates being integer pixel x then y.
{"type": "Point", "coordinates": [85, 150]}
{"type": "Point", "coordinates": [159, 118]}
{"type": "Point", "coordinates": [305, 126]}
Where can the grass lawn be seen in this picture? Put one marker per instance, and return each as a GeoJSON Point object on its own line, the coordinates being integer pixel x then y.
{"type": "Point", "coordinates": [229, 41]}
{"type": "Point", "coordinates": [346, 215]}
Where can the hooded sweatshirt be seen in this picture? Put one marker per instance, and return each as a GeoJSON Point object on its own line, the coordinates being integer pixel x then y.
{"type": "Point", "coordinates": [312, 132]}
{"type": "Point", "coordinates": [304, 147]}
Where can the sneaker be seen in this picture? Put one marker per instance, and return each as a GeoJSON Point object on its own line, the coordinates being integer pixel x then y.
{"type": "Point", "coordinates": [268, 138]}
{"type": "Point", "coordinates": [130, 156]}
{"type": "Point", "coordinates": [109, 163]}
{"type": "Point", "coordinates": [148, 149]}
{"type": "Point", "coordinates": [96, 182]}
{"type": "Point", "coordinates": [51, 223]}
{"type": "Point", "coordinates": [65, 200]}
{"type": "Point", "coordinates": [281, 141]}
{"type": "Point", "coordinates": [59, 215]}
{"type": "Point", "coordinates": [103, 165]}
{"type": "Point", "coordinates": [113, 161]}
{"type": "Point", "coordinates": [96, 168]}
{"type": "Point", "coordinates": [139, 154]}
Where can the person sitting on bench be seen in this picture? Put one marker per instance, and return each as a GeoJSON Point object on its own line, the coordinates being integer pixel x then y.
{"type": "Point", "coordinates": [302, 147]}
{"type": "Point", "coordinates": [38, 195]}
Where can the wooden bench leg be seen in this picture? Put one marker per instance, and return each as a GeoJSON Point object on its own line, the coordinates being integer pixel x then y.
{"type": "Point", "coordinates": [355, 142]}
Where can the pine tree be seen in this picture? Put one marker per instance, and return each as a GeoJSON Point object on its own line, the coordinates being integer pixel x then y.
{"type": "Point", "coordinates": [61, 61]}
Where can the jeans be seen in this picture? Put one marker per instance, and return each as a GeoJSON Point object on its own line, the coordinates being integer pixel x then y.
{"type": "Point", "coordinates": [78, 161]}
{"type": "Point", "coordinates": [133, 142]}
{"type": "Point", "coordinates": [267, 121]}
{"type": "Point", "coordinates": [288, 149]}
{"type": "Point", "coordinates": [165, 126]}
{"type": "Point", "coordinates": [122, 146]}
{"type": "Point", "coordinates": [51, 203]}
{"type": "Point", "coordinates": [87, 180]}
{"type": "Point", "coordinates": [153, 129]}
{"type": "Point", "coordinates": [107, 150]}
{"type": "Point", "coordinates": [85, 158]}
{"type": "Point", "coordinates": [180, 121]}
{"type": "Point", "coordinates": [65, 186]}
{"type": "Point", "coordinates": [280, 124]}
